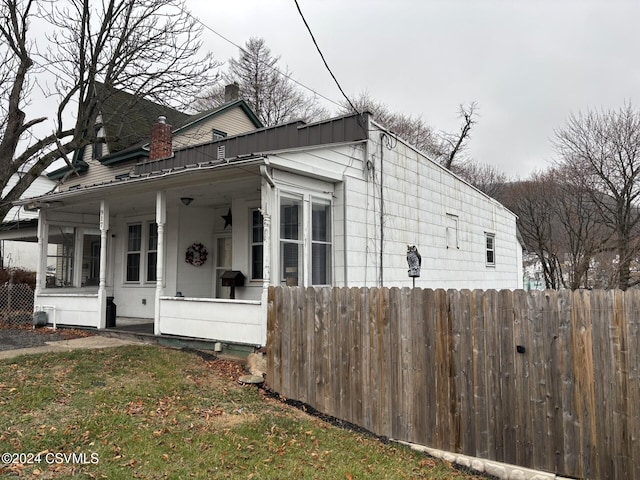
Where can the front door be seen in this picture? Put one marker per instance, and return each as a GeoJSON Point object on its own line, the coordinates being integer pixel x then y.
{"type": "Point", "coordinates": [223, 259]}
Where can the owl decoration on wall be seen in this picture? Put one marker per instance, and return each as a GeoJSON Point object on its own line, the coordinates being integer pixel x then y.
{"type": "Point", "coordinates": [414, 260]}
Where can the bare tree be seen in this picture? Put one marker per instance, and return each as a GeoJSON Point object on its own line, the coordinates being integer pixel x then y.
{"type": "Point", "coordinates": [446, 148]}
{"type": "Point", "coordinates": [147, 47]}
{"type": "Point", "coordinates": [583, 236]}
{"type": "Point", "coordinates": [266, 87]}
{"type": "Point", "coordinates": [453, 144]}
{"type": "Point", "coordinates": [602, 151]}
{"type": "Point", "coordinates": [486, 178]}
{"type": "Point", "coordinates": [410, 128]}
{"type": "Point", "coordinates": [532, 200]}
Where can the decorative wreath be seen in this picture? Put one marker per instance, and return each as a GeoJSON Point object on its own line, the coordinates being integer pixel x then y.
{"type": "Point", "coordinates": [196, 254]}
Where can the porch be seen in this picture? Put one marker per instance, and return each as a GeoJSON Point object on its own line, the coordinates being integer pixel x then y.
{"type": "Point", "coordinates": [159, 253]}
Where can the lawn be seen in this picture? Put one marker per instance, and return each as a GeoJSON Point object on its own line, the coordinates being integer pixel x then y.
{"type": "Point", "coordinates": [149, 412]}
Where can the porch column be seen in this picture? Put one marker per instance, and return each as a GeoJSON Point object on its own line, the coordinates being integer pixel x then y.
{"type": "Point", "coordinates": [266, 250]}
{"type": "Point", "coordinates": [161, 218]}
{"type": "Point", "coordinates": [43, 250]}
{"type": "Point", "coordinates": [102, 286]}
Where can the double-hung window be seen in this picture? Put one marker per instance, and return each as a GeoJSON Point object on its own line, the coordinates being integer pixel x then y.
{"type": "Point", "coordinates": [152, 252]}
{"type": "Point", "coordinates": [320, 242]}
{"type": "Point", "coordinates": [490, 242]}
{"type": "Point", "coordinates": [257, 242]}
{"type": "Point", "coordinates": [142, 252]}
{"type": "Point", "coordinates": [291, 240]}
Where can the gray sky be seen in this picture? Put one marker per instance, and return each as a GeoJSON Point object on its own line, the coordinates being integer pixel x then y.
{"type": "Point", "coordinates": [528, 64]}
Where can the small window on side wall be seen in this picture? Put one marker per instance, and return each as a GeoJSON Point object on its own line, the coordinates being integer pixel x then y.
{"type": "Point", "coordinates": [490, 242]}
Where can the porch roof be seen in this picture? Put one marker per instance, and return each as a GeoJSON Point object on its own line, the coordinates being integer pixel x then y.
{"type": "Point", "coordinates": [122, 187]}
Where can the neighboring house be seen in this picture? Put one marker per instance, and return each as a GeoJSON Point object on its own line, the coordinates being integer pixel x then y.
{"type": "Point", "coordinates": [333, 203]}
{"type": "Point", "coordinates": [18, 231]}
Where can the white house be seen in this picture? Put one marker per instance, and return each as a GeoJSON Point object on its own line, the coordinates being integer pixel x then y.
{"type": "Point", "coordinates": [19, 224]}
{"type": "Point", "coordinates": [332, 203]}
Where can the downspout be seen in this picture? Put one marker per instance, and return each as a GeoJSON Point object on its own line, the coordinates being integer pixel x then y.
{"type": "Point", "coordinates": [265, 174]}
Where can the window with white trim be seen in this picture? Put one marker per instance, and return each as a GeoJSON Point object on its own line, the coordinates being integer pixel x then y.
{"type": "Point", "coordinates": [306, 235]}
{"type": "Point", "coordinates": [134, 247]}
{"type": "Point", "coordinates": [291, 240]}
{"type": "Point", "coordinates": [257, 242]}
{"type": "Point", "coordinates": [142, 252]}
{"type": "Point", "coordinates": [152, 252]}
{"type": "Point", "coordinates": [320, 242]}
{"type": "Point", "coordinates": [490, 242]}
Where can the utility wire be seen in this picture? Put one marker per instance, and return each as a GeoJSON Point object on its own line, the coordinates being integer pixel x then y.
{"type": "Point", "coordinates": [323, 59]}
{"type": "Point", "coordinates": [275, 69]}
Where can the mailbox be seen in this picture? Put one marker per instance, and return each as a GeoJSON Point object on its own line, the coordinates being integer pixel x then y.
{"type": "Point", "coordinates": [233, 279]}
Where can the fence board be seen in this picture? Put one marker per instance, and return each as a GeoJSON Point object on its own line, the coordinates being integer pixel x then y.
{"type": "Point", "coordinates": [521, 378]}
{"type": "Point", "coordinates": [442, 368]}
{"type": "Point", "coordinates": [480, 378]}
{"type": "Point", "coordinates": [632, 305]}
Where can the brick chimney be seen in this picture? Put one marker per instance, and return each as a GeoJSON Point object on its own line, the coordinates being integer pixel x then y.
{"type": "Point", "coordinates": [231, 92]}
{"type": "Point", "coordinates": [161, 145]}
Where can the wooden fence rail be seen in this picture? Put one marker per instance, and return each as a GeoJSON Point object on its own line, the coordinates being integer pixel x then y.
{"type": "Point", "coordinates": [545, 380]}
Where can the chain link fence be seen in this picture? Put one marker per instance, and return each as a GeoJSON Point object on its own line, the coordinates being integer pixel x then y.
{"type": "Point", "coordinates": [16, 304]}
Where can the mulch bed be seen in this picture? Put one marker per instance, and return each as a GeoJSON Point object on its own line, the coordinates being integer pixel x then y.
{"type": "Point", "coordinates": [13, 337]}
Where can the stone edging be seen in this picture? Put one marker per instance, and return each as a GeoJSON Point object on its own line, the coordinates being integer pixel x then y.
{"type": "Point", "coordinates": [503, 471]}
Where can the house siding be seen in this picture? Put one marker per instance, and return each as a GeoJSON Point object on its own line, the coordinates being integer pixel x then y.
{"type": "Point", "coordinates": [232, 122]}
{"type": "Point", "coordinates": [417, 196]}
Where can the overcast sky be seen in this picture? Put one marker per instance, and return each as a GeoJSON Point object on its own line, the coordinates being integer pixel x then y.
{"type": "Point", "coordinates": [528, 64]}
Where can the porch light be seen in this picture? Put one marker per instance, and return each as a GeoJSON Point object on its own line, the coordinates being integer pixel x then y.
{"type": "Point", "coordinates": [186, 201]}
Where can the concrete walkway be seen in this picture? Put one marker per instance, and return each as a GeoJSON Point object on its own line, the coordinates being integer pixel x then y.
{"type": "Point", "coordinates": [92, 342]}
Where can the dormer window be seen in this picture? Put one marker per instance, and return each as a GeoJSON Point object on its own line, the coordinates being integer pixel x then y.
{"type": "Point", "coordinates": [218, 134]}
{"type": "Point", "coordinates": [97, 146]}
{"type": "Point", "coordinates": [97, 151]}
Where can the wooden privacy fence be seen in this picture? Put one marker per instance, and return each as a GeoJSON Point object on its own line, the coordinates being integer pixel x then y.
{"type": "Point", "coordinates": [545, 380]}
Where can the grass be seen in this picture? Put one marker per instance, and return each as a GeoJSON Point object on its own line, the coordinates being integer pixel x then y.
{"type": "Point", "coordinates": [149, 412]}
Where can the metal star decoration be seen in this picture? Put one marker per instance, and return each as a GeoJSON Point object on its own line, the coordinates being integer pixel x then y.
{"type": "Point", "coordinates": [227, 220]}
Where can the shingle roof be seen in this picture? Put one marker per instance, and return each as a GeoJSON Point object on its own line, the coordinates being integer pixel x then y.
{"type": "Point", "coordinates": [127, 119]}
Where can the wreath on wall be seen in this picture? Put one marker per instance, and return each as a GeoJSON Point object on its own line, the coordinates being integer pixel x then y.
{"type": "Point", "coordinates": [196, 254]}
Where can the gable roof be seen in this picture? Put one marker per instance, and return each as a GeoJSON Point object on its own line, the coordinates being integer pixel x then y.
{"type": "Point", "coordinates": [127, 120]}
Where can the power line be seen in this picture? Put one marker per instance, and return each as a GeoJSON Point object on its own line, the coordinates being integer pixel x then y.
{"type": "Point", "coordinates": [322, 56]}
{"type": "Point", "coordinates": [275, 69]}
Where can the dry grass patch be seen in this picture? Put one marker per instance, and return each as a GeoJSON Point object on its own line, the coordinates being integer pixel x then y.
{"type": "Point", "coordinates": [149, 412]}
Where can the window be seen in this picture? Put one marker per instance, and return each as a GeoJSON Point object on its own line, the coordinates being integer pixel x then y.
{"type": "Point", "coordinates": [142, 252]}
{"type": "Point", "coordinates": [217, 135]}
{"type": "Point", "coordinates": [134, 245]}
{"type": "Point", "coordinates": [320, 243]}
{"type": "Point", "coordinates": [256, 244]}
{"type": "Point", "coordinates": [152, 252]}
{"type": "Point", "coordinates": [452, 231]}
{"type": "Point", "coordinates": [76, 261]}
{"type": "Point", "coordinates": [305, 241]}
{"type": "Point", "coordinates": [96, 153]}
{"type": "Point", "coordinates": [490, 240]}
{"type": "Point", "coordinates": [62, 262]}
{"type": "Point", "coordinates": [291, 240]}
